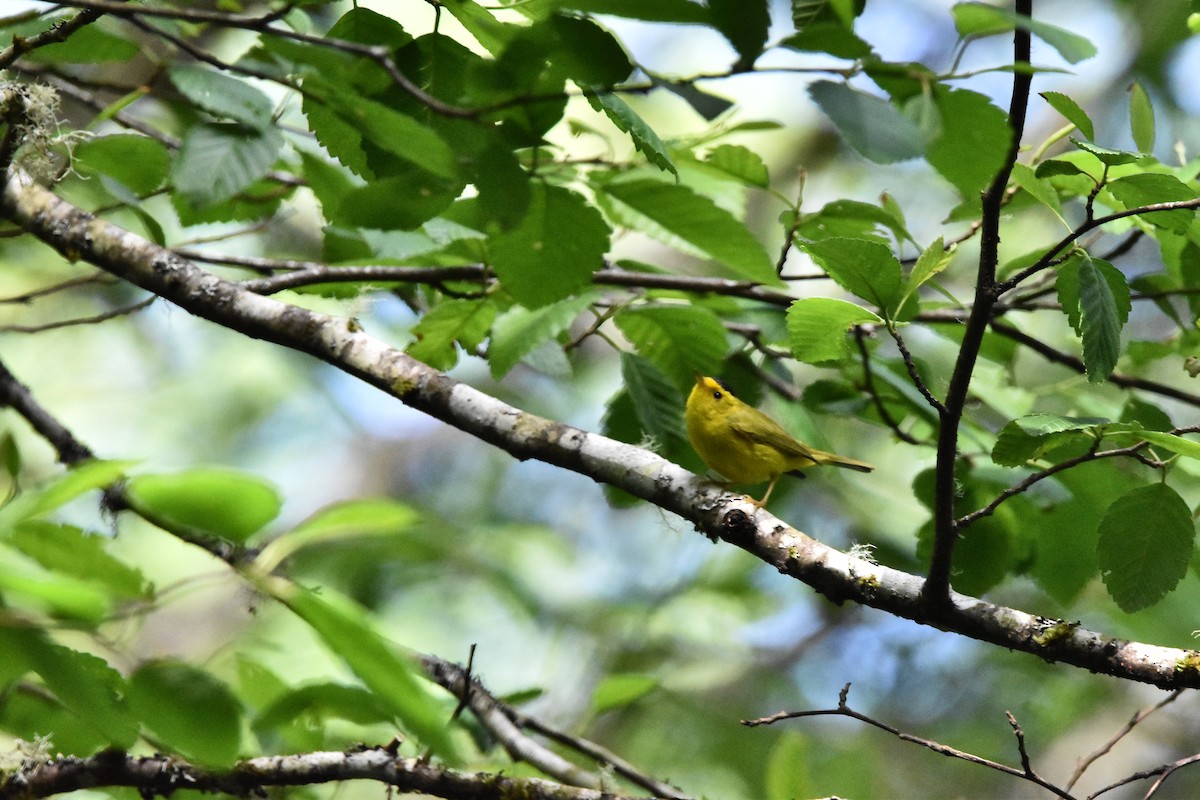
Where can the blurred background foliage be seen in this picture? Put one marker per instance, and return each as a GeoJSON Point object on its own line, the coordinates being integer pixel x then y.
{"type": "Point", "coordinates": [615, 622]}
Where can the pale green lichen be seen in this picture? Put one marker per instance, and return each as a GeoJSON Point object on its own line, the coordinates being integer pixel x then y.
{"type": "Point", "coordinates": [1053, 633]}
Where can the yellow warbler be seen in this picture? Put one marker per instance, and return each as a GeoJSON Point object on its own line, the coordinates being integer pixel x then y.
{"type": "Point", "coordinates": [743, 444]}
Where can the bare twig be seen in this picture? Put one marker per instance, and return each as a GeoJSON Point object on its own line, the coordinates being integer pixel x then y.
{"type": "Point", "coordinates": [18, 397]}
{"type": "Point", "coordinates": [95, 319]}
{"type": "Point", "coordinates": [1125, 730]}
{"type": "Point", "coordinates": [869, 384]}
{"type": "Point", "coordinates": [844, 710]}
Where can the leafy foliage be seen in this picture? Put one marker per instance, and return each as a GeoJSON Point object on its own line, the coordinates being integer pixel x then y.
{"type": "Point", "coordinates": [522, 193]}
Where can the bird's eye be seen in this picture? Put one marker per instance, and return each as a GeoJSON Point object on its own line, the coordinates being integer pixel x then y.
{"type": "Point", "coordinates": [717, 395]}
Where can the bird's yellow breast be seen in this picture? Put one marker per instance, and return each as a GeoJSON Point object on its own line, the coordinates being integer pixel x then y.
{"type": "Point", "coordinates": [726, 451]}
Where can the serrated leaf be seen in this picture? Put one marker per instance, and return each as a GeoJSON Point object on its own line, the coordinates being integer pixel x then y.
{"type": "Point", "coordinates": [817, 328]}
{"type": "Point", "coordinates": [82, 682]}
{"type": "Point", "coordinates": [1071, 110]}
{"type": "Point", "coordinates": [680, 340]}
{"type": "Point", "coordinates": [221, 502]}
{"type": "Point", "coordinates": [188, 710]}
{"type": "Point", "coordinates": [871, 125]}
{"type": "Point", "coordinates": [1141, 118]}
{"type": "Point", "coordinates": [448, 325]}
{"type": "Point", "coordinates": [1036, 187]}
{"type": "Point", "coordinates": [223, 96]}
{"type": "Point", "coordinates": [72, 551]}
{"type": "Point", "coordinates": [972, 143]}
{"type": "Point", "coordinates": [350, 632]}
{"type": "Point", "coordinates": [1033, 436]}
{"type": "Point", "coordinates": [980, 19]}
{"type": "Point", "coordinates": [678, 216]}
{"type": "Point", "coordinates": [1146, 541]}
{"type": "Point", "coordinates": [554, 249]}
{"type": "Point", "coordinates": [1104, 305]}
{"type": "Point", "coordinates": [932, 261]}
{"type": "Point", "coordinates": [404, 200]}
{"type": "Point", "coordinates": [1112, 158]}
{"type": "Point", "coordinates": [1167, 441]}
{"type": "Point", "coordinates": [519, 331]}
{"type": "Point", "coordinates": [627, 120]}
{"type": "Point", "coordinates": [656, 403]}
{"type": "Point", "coordinates": [588, 54]}
{"type": "Point", "coordinates": [740, 163]}
{"type": "Point", "coordinates": [865, 268]}
{"type": "Point", "coordinates": [1151, 188]}
{"type": "Point", "coordinates": [216, 161]}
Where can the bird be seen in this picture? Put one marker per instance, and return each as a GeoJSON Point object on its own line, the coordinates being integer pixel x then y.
{"type": "Point", "coordinates": [744, 445]}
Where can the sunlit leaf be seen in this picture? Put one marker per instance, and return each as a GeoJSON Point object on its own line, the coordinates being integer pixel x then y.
{"type": "Point", "coordinates": [188, 710]}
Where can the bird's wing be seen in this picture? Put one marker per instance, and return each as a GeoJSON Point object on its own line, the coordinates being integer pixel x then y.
{"type": "Point", "coordinates": [757, 427]}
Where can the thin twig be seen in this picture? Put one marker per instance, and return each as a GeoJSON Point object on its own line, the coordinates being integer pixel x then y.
{"type": "Point", "coordinates": [869, 385]}
{"type": "Point", "coordinates": [844, 710]}
{"type": "Point", "coordinates": [123, 311]}
{"type": "Point", "coordinates": [1125, 730]}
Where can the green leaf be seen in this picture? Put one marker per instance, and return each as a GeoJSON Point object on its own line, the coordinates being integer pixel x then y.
{"type": "Point", "coordinates": [1141, 118]}
{"type": "Point", "coordinates": [223, 96]}
{"type": "Point", "coordinates": [1112, 158]}
{"type": "Point", "coordinates": [1167, 441]}
{"type": "Point", "coordinates": [448, 325]}
{"type": "Point", "coordinates": [1146, 541]}
{"type": "Point", "coordinates": [852, 219]}
{"type": "Point", "coordinates": [656, 403]}
{"type": "Point", "coordinates": [1033, 436]}
{"type": "Point", "coordinates": [786, 773]}
{"type": "Point", "coordinates": [91, 44]}
{"type": "Point", "coordinates": [744, 23]}
{"type": "Point", "coordinates": [871, 125]}
{"type": "Point", "coordinates": [863, 267]}
{"type": "Point", "coordinates": [832, 38]}
{"type": "Point", "coordinates": [1071, 110]}
{"type": "Point", "coordinates": [519, 331]}
{"type": "Point", "coordinates": [64, 597]}
{"type": "Point", "coordinates": [680, 340]}
{"type": "Point", "coordinates": [588, 54]}
{"type": "Point", "coordinates": [394, 677]}
{"type": "Point", "coordinates": [933, 259]}
{"type": "Point", "coordinates": [137, 162]}
{"type": "Point", "coordinates": [72, 551]}
{"type": "Point", "coordinates": [216, 161]}
{"type": "Point", "coordinates": [678, 11]}
{"type": "Point", "coordinates": [536, 262]}
{"type": "Point", "coordinates": [82, 682]}
{"type": "Point", "coordinates": [627, 120]}
{"type": "Point", "coordinates": [322, 701]}
{"type": "Point", "coordinates": [350, 519]}
{"type": "Point", "coordinates": [404, 200]}
{"type": "Point", "coordinates": [621, 690]}
{"type": "Point", "coordinates": [222, 502]}
{"type": "Point", "coordinates": [1095, 297]}
{"type": "Point", "coordinates": [740, 163]}
{"type": "Point", "coordinates": [188, 710]}
{"type": "Point", "coordinates": [79, 479]}
{"type": "Point", "coordinates": [679, 217]}
{"type": "Point", "coordinates": [1151, 188]}
{"type": "Point", "coordinates": [817, 328]}
{"type": "Point", "coordinates": [980, 19]}
{"type": "Point", "coordinates": [1038, 188]}
{"type": "Point", "coordinates": [346, 122]}
{"type": "Point", "coordinates": [973, 141]}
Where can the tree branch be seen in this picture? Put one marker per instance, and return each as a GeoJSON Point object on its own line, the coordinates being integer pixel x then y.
{"type": "Point", "coordinates": [342, 343]}
{"type": "Point", "coordinates": [164, 775]}
{"type": "Point", "coordinates": [937, 587]}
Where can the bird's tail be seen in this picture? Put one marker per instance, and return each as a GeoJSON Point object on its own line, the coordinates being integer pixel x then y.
{"type": "Point", "coordinates": [834, 460]}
